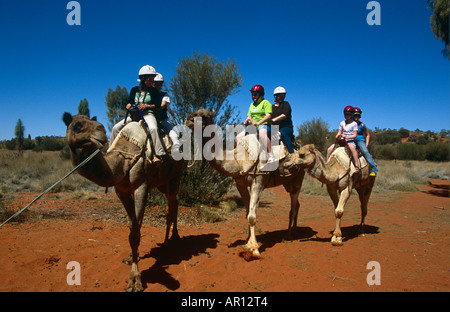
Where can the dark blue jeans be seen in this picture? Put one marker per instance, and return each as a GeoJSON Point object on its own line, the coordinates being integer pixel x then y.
{"type": "Point", "coordinates": [286, 134]}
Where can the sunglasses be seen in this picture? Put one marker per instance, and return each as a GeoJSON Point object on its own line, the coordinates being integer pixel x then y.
{"type": "Point", "coordinates": [158, 84]}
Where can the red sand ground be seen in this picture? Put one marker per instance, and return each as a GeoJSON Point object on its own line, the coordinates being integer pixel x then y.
{"type": "Point", "coordinates": [408, 234]}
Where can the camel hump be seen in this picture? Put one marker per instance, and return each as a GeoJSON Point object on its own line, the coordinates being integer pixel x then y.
{"type": "Point", "coordinates": [252, 146]}
{"type": "Point", "coordinates": [343, 158]}
{"type": "Point", "coordinates": [134, 133]}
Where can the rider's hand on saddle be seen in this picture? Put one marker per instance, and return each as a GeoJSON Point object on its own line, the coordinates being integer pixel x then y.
{"type": "Point", "coordinates": [143, 106]}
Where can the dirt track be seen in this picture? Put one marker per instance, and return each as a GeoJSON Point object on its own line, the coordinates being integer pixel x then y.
{"type": "Point", "coordinates": [407, 234]}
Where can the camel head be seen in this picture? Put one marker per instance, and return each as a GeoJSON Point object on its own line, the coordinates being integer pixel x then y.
{"type": "Point", "coordinates": [84, 132]}
{"type": "Point", "coordinates": [307, 156]}
{"type": "Point", "coordinates": [207, 117]}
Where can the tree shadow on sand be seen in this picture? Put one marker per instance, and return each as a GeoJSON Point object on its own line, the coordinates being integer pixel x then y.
{"type": "Point", "coordinates": [441, 190]}
{"type": "Point", "coordinates": [173, 252]}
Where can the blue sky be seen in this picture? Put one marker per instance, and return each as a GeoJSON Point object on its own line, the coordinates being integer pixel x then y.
{"type": "Point", "coordinates": [323, 52]}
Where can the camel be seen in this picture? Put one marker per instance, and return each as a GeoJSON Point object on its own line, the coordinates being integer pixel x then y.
{"type": "Point", "coordinates": [250, 183]}
{"type": "Point", "coordinates": [125, 167]}
{"type": "Point", "coordinates": [339, 178]}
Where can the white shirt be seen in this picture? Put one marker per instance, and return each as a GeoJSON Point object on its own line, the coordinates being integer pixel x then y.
{"type": "Point", "coordinates": [348, 129]}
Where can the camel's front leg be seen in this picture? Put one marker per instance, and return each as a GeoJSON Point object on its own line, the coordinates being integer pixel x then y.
{"type": "Point", "coordinates": [293, 213]}
{"type": "Point", "coordinates": [364, 195]}
{"type": "Point", "coordinates": [255, 192]}
{"type": "Point", "coordinates": [336, 240]}
{"type": "Point", "coordinates": [171, 191]}
{"type": "Point", "coordinates": [294, 192]}
{"type": "Point", "coordinates": [140, 199]}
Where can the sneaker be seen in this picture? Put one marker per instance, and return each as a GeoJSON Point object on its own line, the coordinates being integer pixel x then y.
{"type": "Point", "coordinates": [373, 174]}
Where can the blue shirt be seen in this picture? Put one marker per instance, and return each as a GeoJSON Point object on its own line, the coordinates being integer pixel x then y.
{"type": "Point", "coordinates": [361, 129]}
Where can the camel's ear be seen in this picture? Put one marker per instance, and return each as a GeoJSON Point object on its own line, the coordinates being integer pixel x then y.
{"type": "Point", "coordinates": [67, 118]}
{"type": "Point", "coordinates": [94, 118]}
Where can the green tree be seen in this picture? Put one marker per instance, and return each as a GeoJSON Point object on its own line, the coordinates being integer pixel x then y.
{"type": "Point", "coordinates": [439, 22]}
{"type": "Point", "coordinates": [83, 108]}
{"type": "Point", "coordinates": [314, 132]}
{"type": "Point", "coordinates": [116, 100]}
{"type": "Point", "coordinates": [404, 133]}
{"type": "Point", "coordinates": [19, 133]}
{"type": "Point", "coordinates": [444, 133]}
{"type": "Point", "coordinates": [203, 82]}
{"type": "Point", "coordinates": [384, 137]}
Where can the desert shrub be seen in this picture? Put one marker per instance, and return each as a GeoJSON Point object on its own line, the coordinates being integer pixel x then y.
{"type": "Point", "coordinates": [437, 151]}
{"type": "Point", "coordinates": [409, 151]}
{"type": "Point", "coordinates": [65, 152]}
{"type": "Point", "coordinates": [210, 215]}
{"type": "Point", "coordinates": [314, 132]}
{"type": "Point", "coordinates": [383, 151]}
{"type": "Point", "coordinates": [385, 137]}
{"type": "Point", "coordinates": [50, 143]}
{"type": "Point", "coordinates": [201, 184]}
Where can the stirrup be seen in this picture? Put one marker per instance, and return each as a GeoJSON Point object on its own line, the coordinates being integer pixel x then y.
{"type": "Point", "coordinates": [156, 161]}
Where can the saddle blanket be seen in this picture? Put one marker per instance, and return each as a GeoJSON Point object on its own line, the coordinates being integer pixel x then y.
{"type": "Point", "coordinates": [134, 133]}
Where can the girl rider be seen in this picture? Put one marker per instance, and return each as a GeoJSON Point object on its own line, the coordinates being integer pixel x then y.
{"type": "Point", "coordinates": [145, 97]}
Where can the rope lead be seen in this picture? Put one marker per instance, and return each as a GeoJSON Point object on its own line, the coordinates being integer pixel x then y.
{"type": "Point", "coordinates": [48, 190]}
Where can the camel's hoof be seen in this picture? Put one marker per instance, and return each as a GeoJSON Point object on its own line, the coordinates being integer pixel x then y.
{"type": "Point", "coordinates": [128, 260]}
{"type": "Point", "coordinates": [336, 241]}
{"type": "Point", "coordinates": [134, 283]}
{"type": "Point", "coordinates": [250, 252]}
{"type": "Point", "coordinates": [250, 255]}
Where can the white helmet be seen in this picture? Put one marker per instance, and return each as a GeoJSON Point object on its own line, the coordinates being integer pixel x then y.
{"type": "Point", "coordinates": [147, 70]}
{"type": "Point", "coordinates": [159, 77]}
{"type": "Point", "coordinates": [279, 90]}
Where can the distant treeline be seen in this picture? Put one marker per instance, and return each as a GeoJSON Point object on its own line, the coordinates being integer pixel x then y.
{"type": "Point", "coordinates": [43, 143]}
{"type": "Point", "coordinates": [384, 144]}
{"type": "Point", "coordinates": [390, 144]}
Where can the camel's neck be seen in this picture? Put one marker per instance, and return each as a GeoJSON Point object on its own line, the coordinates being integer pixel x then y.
{"type": "Point", "coordinates": [322, 170]}
{"type": "Point", "coordinates": [96, 170]}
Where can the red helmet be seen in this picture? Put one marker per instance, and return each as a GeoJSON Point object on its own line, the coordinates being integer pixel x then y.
{"type": "Point", "coordinates": [357, 111]}
{"type": "Point", "coordinates": [349, 109]}
{"type": "Point", "coordinates": [257, 88]}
